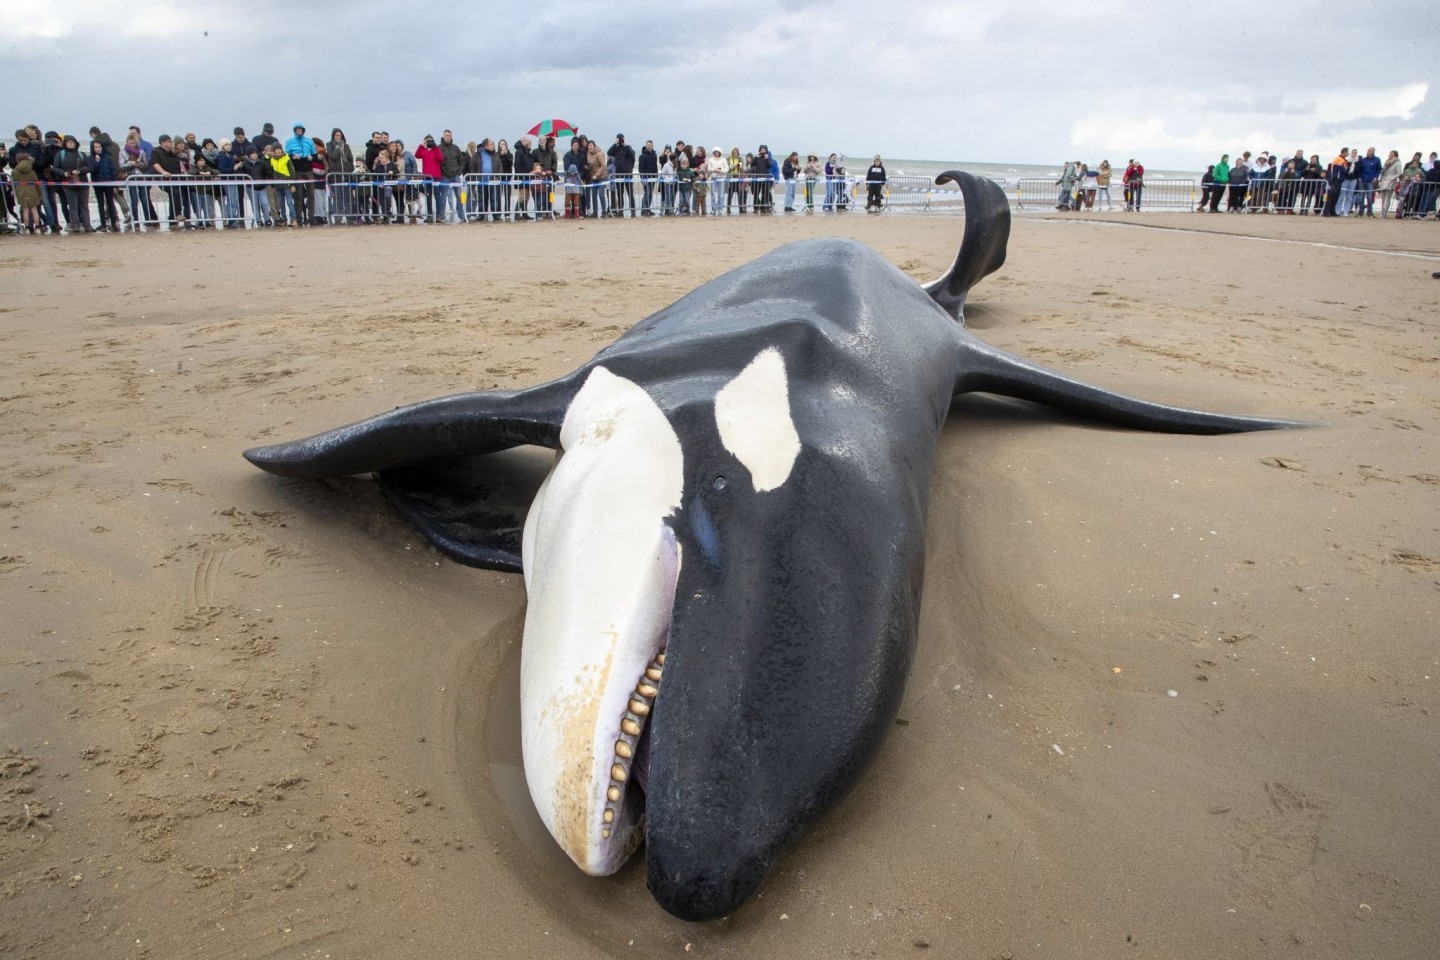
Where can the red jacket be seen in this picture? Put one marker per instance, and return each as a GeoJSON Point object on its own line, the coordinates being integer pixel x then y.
{"type": "Point", "coordinates": [429, 158]}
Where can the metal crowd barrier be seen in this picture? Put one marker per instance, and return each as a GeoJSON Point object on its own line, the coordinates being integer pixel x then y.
{"type": "Point", "coordinates": [1152, 194]}
{"type": "Point", "coordinates": [380, 198]}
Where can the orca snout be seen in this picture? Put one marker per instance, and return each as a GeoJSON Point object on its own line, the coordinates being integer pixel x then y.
{"type": "Point", "coordinates": [707, 888]}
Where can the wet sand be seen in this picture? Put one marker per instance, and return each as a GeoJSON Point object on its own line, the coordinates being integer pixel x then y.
{"type": "Point", "coordinates": [1175, 696]}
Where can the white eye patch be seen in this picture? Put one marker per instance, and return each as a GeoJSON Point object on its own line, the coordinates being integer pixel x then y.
{"type": "Point", "coordinates": [753, 415]}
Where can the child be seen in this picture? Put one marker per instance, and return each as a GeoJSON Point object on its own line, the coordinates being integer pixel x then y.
{"type": "Point", "coordinates": [27, 192]}
{"type": "Point", "coordinates": [540, 191]}
{"type": "Point", "coordinates": [573, 190]}
{"type": "Point", "coordinates": [686, 176]}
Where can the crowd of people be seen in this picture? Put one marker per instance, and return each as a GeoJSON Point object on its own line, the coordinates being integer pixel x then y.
{"type": "Point", "coordinates": [51, 183]}
{"type": "Point", "coordinates": [1348, 186]}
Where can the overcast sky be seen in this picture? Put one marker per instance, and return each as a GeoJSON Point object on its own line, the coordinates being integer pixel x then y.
{"type": "Point", "coordinates": [1038, 82]}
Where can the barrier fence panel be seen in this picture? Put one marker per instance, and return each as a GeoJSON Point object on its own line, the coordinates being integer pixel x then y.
{"type": "Point", "coordinates": [381, 198]}
{"type": "Point", "coordinates": [1149, 194]}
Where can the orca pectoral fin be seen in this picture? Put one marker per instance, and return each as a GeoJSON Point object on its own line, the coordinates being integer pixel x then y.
{"type": "Point", "coordinates": [463, 425]}
{"type": "Point", "coordinates": [989, 370]}
{"type": "Point", "coordinates": [982, 248]}
{"type": "Point", "coordinates": [472, 509]}
{"type": "Point", "coordinates": [440, 463]}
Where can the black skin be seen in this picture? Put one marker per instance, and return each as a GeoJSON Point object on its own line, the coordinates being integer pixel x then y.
{"type": "Point", "coordinates": [795, 621]}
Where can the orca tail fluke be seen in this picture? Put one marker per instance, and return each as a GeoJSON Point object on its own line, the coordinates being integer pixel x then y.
{"type": "Point", "coordinates": [982, 248]}
{"type": "Point", "coordinates": [990, 370]}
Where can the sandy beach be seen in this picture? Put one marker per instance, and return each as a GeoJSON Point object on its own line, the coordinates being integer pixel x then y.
{"type": "Point", "coordinates": [1175, 697]}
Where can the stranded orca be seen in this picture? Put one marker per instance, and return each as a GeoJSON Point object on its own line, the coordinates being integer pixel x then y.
{"type": "Point", "coordinates": [724, 565]}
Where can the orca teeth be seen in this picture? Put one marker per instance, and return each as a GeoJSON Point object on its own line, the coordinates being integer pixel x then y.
{"type": "Point", "coordinates": [632, 726]}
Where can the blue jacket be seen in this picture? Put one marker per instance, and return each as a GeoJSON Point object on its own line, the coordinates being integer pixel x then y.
{"type": "Point", "coordinates": [1370, 169]}
{"type": "Point", "coordinates": [300, 146]}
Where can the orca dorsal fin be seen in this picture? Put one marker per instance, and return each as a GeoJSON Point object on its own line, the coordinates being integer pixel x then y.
{"type": "Point", "coordinates": [982, 248]}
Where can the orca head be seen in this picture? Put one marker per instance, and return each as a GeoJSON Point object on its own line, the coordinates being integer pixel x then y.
{"type": "Point", "coordinates": [721, 615]}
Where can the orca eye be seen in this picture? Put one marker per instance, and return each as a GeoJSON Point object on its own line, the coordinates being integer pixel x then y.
{"type": "Point", "coordinates": [718, 483]}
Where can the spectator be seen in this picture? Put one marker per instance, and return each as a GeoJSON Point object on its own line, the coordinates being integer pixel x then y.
{"type": "Point", "coordinates": [1350, 186]}
{"type": "Point", "coordinates": [1135, 185]}
{"type": "Point", "coordinates": [504, 171]}
{"type": "Point", "coordinates": [735, 174]}
{"type": "Point", "coordinates": [285, 209]}
{"type": "Point", "coordinates": [685, 178]}
{"type": "Point", "coordinates": [1335, 177]}
{"type": "Point", "coordinates": [266, 140]}
{"type": "Point", "coordinates": [1286, 186]}
{"type": "Point", "coordinates": [258, 170]}
{"type": "Point", "coordinates": [319, 168]}
{"type": "Point", "coordinates": [524, 175]}
{"type": "Point", "coordinates": [104, 173]}
{"type": "Point", "coordinates": [1207, 187]}
{"type": "Point", "coordinates": [300, 151]}
{"type": "Point", "coordinates": [1389, 176]}
{"type": "Point", "coordinates": [1369, 171]}
{"type": "Point", "coordinates": [875, 180]}
{"type": "Point", "coordinates": [790, 173]}
{"type": "Point", "coordinates": [453, 164]}
{"type": "Point", "coordinates": [832, 188]}
{"type": "Point", "coordinates": [340, 170]}
{"type": "Point", "coordinates": [599, 174]}
{"type": "Point", "coordinates": [1102, 183]}
{"type": "Point", "coordinates": [1239, 186]}
{"type": "Point", "coordinates": [624, 156]}
{"type": "Point", "coordinates": [1066, 184]}
{"type": "Point", "coordinates": [698, 163]}
{"type": "Point", "coordinates": [26, 181]}
{"type": "Point", "coordinates": [134, 163]}
{"type": "Point", "coordinates": [813, 172]}
{"type": "Point", "coordinates": [1222, 183]}
{"type": "Point", "coordinates": [71, 168]}
{"type": "Point", "coordinates": [716, 171]}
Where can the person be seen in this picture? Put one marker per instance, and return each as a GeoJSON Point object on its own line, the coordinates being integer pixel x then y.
{"type": "Point", "coordinates": [1286, 185]}
{"type": "Point", "coordinates": [203, 193]}
{"type": "Point", "coordinates": [319, 171]}
{"type": "Point", "coordinates": [340, 174]}
{"type": "Point", "coordinates": [716, 173]}
{"type": "Point", "coordinates": [832, 187]}
{"type": "Point", "coordinates": [1348, 186]}
{"type": "Point", "coordinates": [71, 168]}
{"type": "Point", "coordinates": [790, 173]}
{"type": "Point", "coordinates": [524, 162]}
{"type": "Point", "coordinates": [665, 178]}
{"type": "Point", "coordinates": [700, 164]}
{"type": "Point", "coordinates": [103, 174]}
{"type": "Point", "coordinates": [1221, 182]}
{"type": "Point", "coordinates": [811, 171]}
{"type": "Point", "coordinates": [284, 192]}
{"type": "Point", "coordinates": [453, 164]}
{"type": "Point", "coordinates": [133, 164]}
{"type": "Point", "coordinates": [874, 185]}
{"type": "Point", "coordinates": [573, 187]}
{"type": "Point", "coordinates": [762, 188]}
{"type": "Point", "coordinates": [1335, 176]}
{"type": "Point", "coordinates": [300, 152]}
{"type": "Point", "coordinates": [1369, 176]}
{"type": "Point", "coordinates": [1262, 175]}
{"type": "Point", "coordinates": [430, 159]}
{"type": "Point", "coordinates": [26, 182]}
{"type": "Point", "coordinates": [1239, 187]}
{"type": "Point", "coordinates": [624, 156]}
{"type": "Point", "coordinates": [1102, 183]}
{"type": "Point", "coordinates": [1312, 186]}
{"type": "Point", "coordinates": [597, 167]}
{"type": "Point", "coordinates": [685, 178]}
{"type": "Point", "coordinates": [165, 162]}
{"type": "Point", "coordinates": [648, 167]}
{"type": "Point", "coordinates": [112, 149]}
{"type": "Point", "coordinates": [735, 173]}
{"type": "Point", "coordinates": [1085, 187]}
{"type": "Point", "coordinates": [257, 168]}
{"type": "Point", "coordinates": [1207, 186]}
{"type": "Point", "coordinates": [266, 140]}
{"type": "Point", "coordinates": [1066, 184]}
{"type": "Point", "coordinates": [1135, 185]}
{"type": "Point", "coordinates": [1385, 183]}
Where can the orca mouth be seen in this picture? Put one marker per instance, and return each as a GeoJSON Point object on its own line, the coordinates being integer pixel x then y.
{"type": "Point", "coordinates": [630, 767]}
